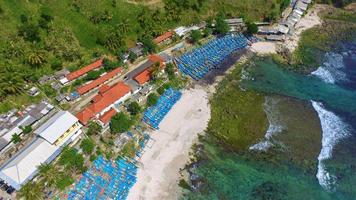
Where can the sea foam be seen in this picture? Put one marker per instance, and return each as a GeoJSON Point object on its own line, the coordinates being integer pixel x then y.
{"type": "Point", "coordinates": [331, 70]}
{"type": "Point", "coordinates": [334, 129]}
{"type": "Point", "coordinates": [275, 125]}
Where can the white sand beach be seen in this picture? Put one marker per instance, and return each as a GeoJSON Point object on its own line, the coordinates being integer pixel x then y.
{"type": "Point", "coordinates": [263, 48]}
{"type": "Point", "coordinates": [158, 175]}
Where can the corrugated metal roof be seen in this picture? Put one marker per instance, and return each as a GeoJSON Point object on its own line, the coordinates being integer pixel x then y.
{"type": "Point", "coordinates": [54, 128]}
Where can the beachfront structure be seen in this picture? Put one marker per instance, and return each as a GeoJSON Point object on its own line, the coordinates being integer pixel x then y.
{"type": "Point", "coordinates": [81, 72]}
{"type": "Point", "coordinates": [61, 129]}
{"type": "Point", "coordinates": [300, 5]}
{"type": "Point", "coordinates": [235, 24]}
{"type": "Point", "coordinates": [283, 29]}
{"type": "Point", "coordinates": [267, 30]}
{"type": "Point", "coordinates": [181, 31]}
{"type": "Point", "coordinates": [106, 99]}
{"type": "Point", "coordinates": [99, 81]}
{"type": "Point", "coordinates": [164, 38]}
{"type": "Point", "coordinates": [275, 37]}
{"type": "Point", "coordinates": [198, 62]}
{"type": "Point", "coordinates": [12, 122]}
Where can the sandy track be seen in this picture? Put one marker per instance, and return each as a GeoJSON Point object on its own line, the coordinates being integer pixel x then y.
{"type": "Point", "coordinates": [159, 174]}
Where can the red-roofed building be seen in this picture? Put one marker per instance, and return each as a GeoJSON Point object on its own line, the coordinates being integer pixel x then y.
{"type": "Point", "coordinates": [165, 37]}
{"type": "Point", "coordinates": [103, 102]}
{"type": "Point", "coordinates": [85, 115]}
{"type": "Point", "coordinates": [106, 117]}
{"type": "Point", "coordinates": [104, 88]}
{"type": "Point", "coordinates": [76, 74]}
{"type": "Point", "coordinates": [86, 88]}
{"type": "Point", "coordinates": [145, 75]}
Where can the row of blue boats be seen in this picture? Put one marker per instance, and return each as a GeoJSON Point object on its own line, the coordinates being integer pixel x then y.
{"type": "Point", "coordinates": [155, 114]}
{"type": "Point", "coordinates": [105, 180]}
{"type": "Point", "coordinates": [198, 62]}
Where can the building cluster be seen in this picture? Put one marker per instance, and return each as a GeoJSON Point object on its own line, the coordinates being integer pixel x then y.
{"type": "Point", "coordinates": [106, 103]}
{"type": "Point", "coordinates": [14, 122]}
{"type": "Point", "coordinates": [59, 130]}
{"type": "Point", "coordinates": [286, 26]}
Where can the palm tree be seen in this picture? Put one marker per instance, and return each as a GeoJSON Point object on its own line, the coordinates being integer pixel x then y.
{"type": "Point", "coordinates": [124, 26]}
{"type": "Point", "coordinates": [11, 82]}
{"type": "Point", "coordinates": [31, 191]}
{"type": "Point", "coordinates": [36, 58]}
{"type": "Point", "coordinates": [155, 70]}
{"type": "Point", "coordinates": [49, 173]}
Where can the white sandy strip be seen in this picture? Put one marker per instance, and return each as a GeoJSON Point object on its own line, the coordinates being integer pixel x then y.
{"type": "Point", "coordinates": [159, 174]}
{"type": "Point", "coordinates": [264, 47]}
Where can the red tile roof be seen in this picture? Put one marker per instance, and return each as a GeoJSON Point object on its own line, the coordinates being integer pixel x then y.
{"type": "Point", "coordinates": [143, 77]}
{"type": "Point", "coordinates": [84, 70]}
{"type": "Point", "coordinates": [97, 98]}
{"type": "Point", "coordinates": [155, 58]}
{"type": "Point", "coordinates": [86, 88]}
{"type": "Point", "coordinates": [85, 115]}
{"type": "Point", "coordinates": [104, 88]}
{"type": "Point", "coordinates": [102, 101]}
{"type": "Point", "coordinates": [163, 37]}
{"type": "Point", "coordinates": [106, 117]}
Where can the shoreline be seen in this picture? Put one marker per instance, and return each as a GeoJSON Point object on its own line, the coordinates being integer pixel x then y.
{"type": "Point", "coordinates": [162, 163]}
{"type": "Point", "coordinates": [159, 173]}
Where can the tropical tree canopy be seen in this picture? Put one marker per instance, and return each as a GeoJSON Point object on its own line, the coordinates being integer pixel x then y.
{"type": "Point", "coordinates": [120, 123]}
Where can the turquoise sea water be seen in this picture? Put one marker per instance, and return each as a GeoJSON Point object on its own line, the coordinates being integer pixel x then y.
{"type": "Point", "coordinates": [317, 134]}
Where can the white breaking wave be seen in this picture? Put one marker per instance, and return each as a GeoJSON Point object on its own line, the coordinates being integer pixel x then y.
{"type": "Point", "coordinates": [334, 129]}
{"type": "Point", "coordinates": [331, 70]}
{"type": "Point", "coordinates": [261, 146]}
{"type": "Point", "coordinates": [275, 125]}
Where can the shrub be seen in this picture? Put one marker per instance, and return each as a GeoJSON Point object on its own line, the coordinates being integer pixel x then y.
{"type": "Point", "coordinates": [134, 108]}
{"type": "Point", "coordinates": [87, 146]}
{"type": "Point", "coordinates": [120, 123]}
{"type": "Point", "coordinates": [93, 128]}
{"type": "Point", "coordinates": [152, 99]}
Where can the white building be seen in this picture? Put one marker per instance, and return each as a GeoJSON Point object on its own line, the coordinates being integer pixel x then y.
{"type": "Point", "coordinates": [52, 136]}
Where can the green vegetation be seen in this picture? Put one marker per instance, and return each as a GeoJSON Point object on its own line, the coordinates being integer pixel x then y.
{"type": "Point", "coordinates": [120, 123]}
{"type": "Point", "coordinates": [31, 191]}
{"type": "Point", "coordinates": [152, 99]}
{"type": "Point", "coordinates": [251, 28]}
{"type": "Point", "coordinates": [27, 129]}
{"type": "Point", "coordinates": [94, 128]}
{"type": "Point", "coordinates": [87, 145]}
{"type": "Point", "coordinates": [134, 108]}
{"type": "Point", "coordinates": [237, 117]}
{"type": "Point", "coordinates": [338, 3]}
{"type": "Point", "coordinates": [195, 36]}
{"type": "Point", "coordinates": [64, 181]}
{"type": "Point", "coordinates": [40, 38]}
{"type": "Point", "coordinates": [221, 27]}
{"type": "Point", "coordinates": [338, 26]}
{"type": "Point", "coordinates": [49, 174]}
{"type": "Point", "coordinates": [72, 160]}
{"type": "Point", "coordinates": [16, 138]}
{"type": "Point", "coordinates": [129, 149]}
